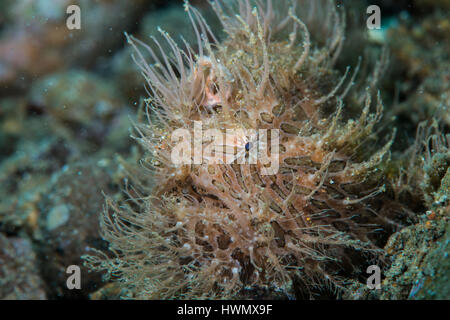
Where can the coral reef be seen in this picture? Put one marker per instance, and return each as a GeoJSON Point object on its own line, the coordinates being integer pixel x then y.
{"type": "Point", "coordinates": [37, 32]}
{"type": "Point", "coordinates": [100, 100]}
{"type": "Point", "coordinates": [208, 230]}
{"type": "Point", "coordinates": [68, 224]}
{"type": "Point", "coordinates": [420, 56]}
{"type": "Point", "coordinates": [420, 252]}
{"type": "Point", "coordinates": [69, 97]}
{"type": "Point", "coordinates": [419, 265]}
{"type": "Point", "coordinates": [19, 279]}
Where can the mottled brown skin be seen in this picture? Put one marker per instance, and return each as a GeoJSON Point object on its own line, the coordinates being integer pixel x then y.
{"type": "Point", "coordinates": [210, 230]}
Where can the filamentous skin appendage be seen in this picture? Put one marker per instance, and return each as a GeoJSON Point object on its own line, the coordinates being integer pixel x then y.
{"type": "Point", "coordinates": [211, 230]}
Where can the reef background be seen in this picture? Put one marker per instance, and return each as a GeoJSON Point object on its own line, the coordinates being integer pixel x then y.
{"type": "Point", "coordinates": [68, 99]}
